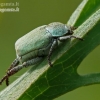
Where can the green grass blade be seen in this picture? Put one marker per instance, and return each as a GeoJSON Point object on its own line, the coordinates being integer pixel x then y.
{"type": "Point", "coordinates": [83, 11]}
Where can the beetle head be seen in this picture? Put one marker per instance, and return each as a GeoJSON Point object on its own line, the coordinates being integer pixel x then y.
{"type": "Point", "coordinates": [70, 30]}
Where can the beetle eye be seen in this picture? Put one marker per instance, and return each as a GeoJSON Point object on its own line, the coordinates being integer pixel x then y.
{"type": "Point", "coordinates": [70, 32]}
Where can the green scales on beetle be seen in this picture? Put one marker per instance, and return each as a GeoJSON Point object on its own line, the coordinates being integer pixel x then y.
{"type": "Point", "coordinates": [40, 42]}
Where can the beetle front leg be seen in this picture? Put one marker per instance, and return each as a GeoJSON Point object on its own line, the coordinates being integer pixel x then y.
{"type": "Point", "coordinates": [54, 44]}
{"type": "Point", "coordinates": [68, 37]}
{"type": "Point", "coordinates": [19, 67]}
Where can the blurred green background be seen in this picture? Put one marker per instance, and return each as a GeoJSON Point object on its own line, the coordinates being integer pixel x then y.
{"type": "Point", "coordinates": [34, 13]}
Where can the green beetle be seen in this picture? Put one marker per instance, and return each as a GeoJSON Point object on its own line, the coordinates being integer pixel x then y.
{"type": "Point", "coordinates": [40, 42]}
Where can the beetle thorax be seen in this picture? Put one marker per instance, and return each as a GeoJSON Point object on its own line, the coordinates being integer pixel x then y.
{"type": "Point", "coordinates": [57, 29]}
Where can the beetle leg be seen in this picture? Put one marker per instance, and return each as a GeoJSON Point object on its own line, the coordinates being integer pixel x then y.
{"type": "Point", "coordinates": [68, 37]}
{"type": "Point", "coordinates": [54, 44]}
{"type": "Point", "coordinates": [14, 64]}
{"type": "Point", "coordinates": [32, 61]}
{"type": "Point", "coordinates": [19, 67]}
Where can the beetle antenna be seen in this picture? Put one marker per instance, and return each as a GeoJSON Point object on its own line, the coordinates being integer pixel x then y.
{"type": "Point", "coordinates": [73, 28]}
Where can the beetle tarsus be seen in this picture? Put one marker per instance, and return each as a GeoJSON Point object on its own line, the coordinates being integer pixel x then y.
{"type": "Point", "coordinates": [7, 81]}
{"type": "Point", "coordinates": [4, 78]}
{"type": "Point", "coordinates": [49, 61]}
{"type": "Point", "coordinates": [14, 64]}
{"type": "Point", "coordinates": [10, 73]}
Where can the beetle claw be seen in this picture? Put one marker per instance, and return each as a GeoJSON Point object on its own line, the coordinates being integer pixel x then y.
{"type": "Point", "coordinates": [4, 78]}
{"type": "Point", "coordinates": [81, 39]}
{"type": "Point", "coordinates": [51, 65]}
{"type": "Point", "coordinates": [7, 81]}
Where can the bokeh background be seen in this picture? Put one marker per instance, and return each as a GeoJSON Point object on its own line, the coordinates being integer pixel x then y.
{"type": "Point", "coordinates": [34, 13]}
